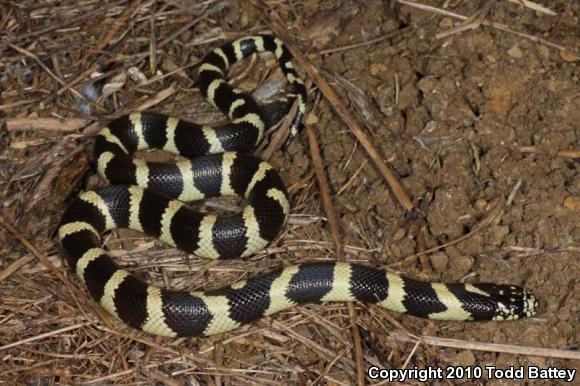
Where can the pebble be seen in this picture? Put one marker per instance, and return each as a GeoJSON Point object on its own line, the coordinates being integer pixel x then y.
{"type": "Point", "coordinates": [515, 52]}
{"type": "Point", "coordinates": [572, 203]}
{"type": "Point", "coordinates": [399, 234]}
{"type": "Point", "coordinates": [439, 261]}
{"type": "Point", "coordinates": [480, 204]}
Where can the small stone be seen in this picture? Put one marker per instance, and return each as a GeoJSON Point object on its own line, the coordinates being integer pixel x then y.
{"type": "Point", "coordinates": [515, 52]}
{"type": "Point", "coordinates": [462, 265]}
{"type": "Point", "coordinates": [446, 23]}
{"type": "Point", "coordinates": [311, 119]}
{"type": "Point", "coordinates": [498, 233]}
{"type": "Point", "coordinates": [480, 204]}
{"type": "Point", "coordinates": [376, 68]}
{"type": "Point", "coordinates": [399, 234]}
{"type": "Point", "coordinates": [572, 203]}
{"type": "Point", "coordinates": [439, 261]}
{"type": "Point", "coordinates": [568, 55]}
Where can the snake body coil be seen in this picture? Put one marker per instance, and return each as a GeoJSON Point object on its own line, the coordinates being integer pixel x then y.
{"type": "Point", "coordinates": [149, 197]}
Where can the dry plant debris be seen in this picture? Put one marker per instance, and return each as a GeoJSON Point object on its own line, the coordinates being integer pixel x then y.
{"type": "Point", "coordinates": [472, 108]}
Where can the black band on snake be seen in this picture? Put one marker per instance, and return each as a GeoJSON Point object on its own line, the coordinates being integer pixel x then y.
{"type": "Point", "coordinates": [149, 197]}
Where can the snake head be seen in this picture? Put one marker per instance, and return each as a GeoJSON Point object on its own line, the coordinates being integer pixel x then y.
{"type": "Point", "coordinates": [512, 302]}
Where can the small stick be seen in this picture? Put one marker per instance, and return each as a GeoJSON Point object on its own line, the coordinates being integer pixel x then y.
{"type": "Point", "coordinates": [150, 102]}
{"type": "Point", "coordinates": [499, 26]}
{"type": "Point", "coordinates": [473, 22]}
{"type": "Point", "coordinates": [561, 153]}
{"type": "Point", "coordinates": [50, 124]}
{"type": "Point", "coordinates": [335, 231]}
{"type": "Point", "coordinates": [535, 6]}
{"type": "Point", "coordinates": [45, 335]}
{"type": "Point", "coordinates": [340, 108]}
{"type": "Point", "coordinates": [15, 266]}
{"type": "Point", "coordinates": [490, 347]}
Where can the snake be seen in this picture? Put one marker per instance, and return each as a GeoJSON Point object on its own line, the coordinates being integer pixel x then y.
{"type": "Point", "coordinates": [152, 198]}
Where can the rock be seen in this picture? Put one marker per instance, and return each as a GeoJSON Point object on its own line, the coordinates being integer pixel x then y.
{"type": "Point", "coordinates": [515, 52]}
{"type": "Point", "coordinates": [439, 261]}
{"type": "Point", "coordinates": [572, 203]}
{"type": "Point", "coordinates": [399, 234]}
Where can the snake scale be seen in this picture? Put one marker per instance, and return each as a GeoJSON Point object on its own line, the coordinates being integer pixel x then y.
{"type": "Point", "coordinates": [149, 197]}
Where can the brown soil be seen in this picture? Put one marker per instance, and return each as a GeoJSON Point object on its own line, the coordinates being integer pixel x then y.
{"type": "Point", "coordinates": [472, 124]}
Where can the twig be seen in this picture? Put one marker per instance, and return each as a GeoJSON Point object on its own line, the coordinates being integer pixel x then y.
{"type": "Point", "coordinates": [490, 347]}
{"type": "Point", "coordinates": [471, 23]}
{"type": "Point", "coordinates": [561, 153]}
{"type": "Point", "coordinates": [45, 335]}
{"type": "Point", "coordinates": [50, 124]}
{"type": "Point", "coordinates": [535, 6]}
{"type": "Point", "coordinates": [15, 266]}
{"type": "Point", "coordinates": [499, 26]}
{"type": "Point", "coordinates": [335, 231]}
{"type": "Point", "coordinates": [529, 252]}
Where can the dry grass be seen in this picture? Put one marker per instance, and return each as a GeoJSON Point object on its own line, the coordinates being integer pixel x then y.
{"type": "Point", "coordinates": [51, 52]}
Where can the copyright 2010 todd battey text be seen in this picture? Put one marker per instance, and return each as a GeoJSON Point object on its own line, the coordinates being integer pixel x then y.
{"type": "Point", "coordinates": [556, 374]}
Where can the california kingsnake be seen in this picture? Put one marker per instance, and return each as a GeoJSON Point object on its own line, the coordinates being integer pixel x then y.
{"type": "Point", "coordinates": [149, 199]}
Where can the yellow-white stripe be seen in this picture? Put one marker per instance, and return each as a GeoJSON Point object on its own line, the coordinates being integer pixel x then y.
{"type": "Point", "coordinates": [258, 176]}
{"type": "Point", "coordinates": [111, 138]}
{"type": "Point", "coordinates": [155, 323]}
{"type": "Point", "coordinates": [341, 288]}
{"type": "Point", "coordinates": [254, 120]}
{"type": "Point", "coordinates": [211, 90]}
{"type": "Point", "coordinates": [210, 67]}
{"type": "Point", "coordinates": [255, 241]}
{"type": "Point", "coordinates": [141, 172]}
{"type": "Point", "coordinates": [219, 308]}
{"type": "Point", "coordinates": [227, 162]}
{"type": "Point", "coordinates": [238, 51]}
{"type": "Point", "coordinates": [239, 285]}
{"type": "Point", "coordinates": [172, 208]}
{"type": "Point", "coordinates": [94, 199]}
{"type": "Point", "coordinates": [223, 56]}
{"type": "Point", "coordinates": [454, 309]}
{"type": "Point", "coordinates": [279, 48]}
{"type": "Point", "coordinates": [291, 77]}
{"type": "Point", "coordinates": [102, 163]}
{"type": "Point", "coordinates": [135, 197]}
{"type": "Point", "coordinates": [170, 145]}
{"type": "Point", "coordinates": [74, 227]}
{"type": "Point", "coordinates": [190, 192]}
{"type": "Point", "coordinates": [278, 290]}
{"type": "Point", "coordinates": [259, 42]}
{"type": "Point", "coordinates": [85, 259]}
{"type": "Point", "coordinates": [475, 290]}
{"type": "Point", "coordinates": [278, 195]}
{"type": "Point", "coordinates": [396, 294]}
{"type": "Point", "coordinates": [215, 146]}
{"type": "Point", "coordinates": [235, 104]}
{"type": "Point", "coordinates": [135, 119]}
{"type": "Point", "coordinates": [205, 244]}
{"type": "Point", "coordinates": [108, 299]}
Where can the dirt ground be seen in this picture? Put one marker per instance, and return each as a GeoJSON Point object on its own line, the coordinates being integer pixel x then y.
{"type": "Point", "coordinates": [481, 127]}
